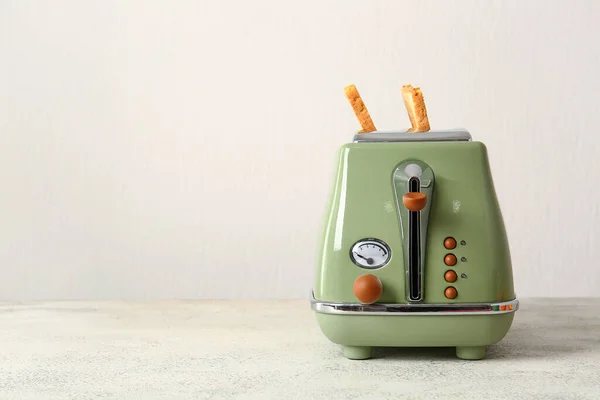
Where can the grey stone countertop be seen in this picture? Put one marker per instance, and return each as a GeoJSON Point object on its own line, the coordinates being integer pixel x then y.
{"type": "Point", "coordinates": [274, 350]}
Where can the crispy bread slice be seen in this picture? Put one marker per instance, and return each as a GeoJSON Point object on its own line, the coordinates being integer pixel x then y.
{"type": "Point", "coordinates": [366, 123]}
{"type": "Point", "coordinates": [415, 105]}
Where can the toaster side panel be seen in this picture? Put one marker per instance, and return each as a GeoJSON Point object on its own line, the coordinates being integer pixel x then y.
{"type": "Point", "coordinates": [465, 207]}
{"type": "Point", "coordinates": [362, 206]}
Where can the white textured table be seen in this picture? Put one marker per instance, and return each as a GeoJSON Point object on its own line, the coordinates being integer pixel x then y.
{"type": "Point", "coordinates": [274, 350]}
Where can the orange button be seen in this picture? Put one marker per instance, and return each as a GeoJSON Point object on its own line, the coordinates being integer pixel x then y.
{"type": "Point", "coordinates": [450, 243]}
{"type": "Point", "coordinates": [450, 259]}
{"type": "Point", "coordinates": [450, 276]}
{"type": "Point", "coordinates": [367, 288]}
{"type": "Point", "coordinates": [450, 292]}
{"type": "Point", "coordinates": [503, 308]}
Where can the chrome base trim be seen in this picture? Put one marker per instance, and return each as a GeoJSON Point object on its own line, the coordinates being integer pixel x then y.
{"type": "Point", "coordinates": [325, 307]}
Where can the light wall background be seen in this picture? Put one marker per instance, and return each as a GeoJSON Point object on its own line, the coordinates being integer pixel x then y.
{"type": "Point", "coordinates": [179, 149]}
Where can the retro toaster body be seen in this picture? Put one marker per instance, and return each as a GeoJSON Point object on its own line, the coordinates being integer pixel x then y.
{"type": "Point", "coordinates": [414, 251]}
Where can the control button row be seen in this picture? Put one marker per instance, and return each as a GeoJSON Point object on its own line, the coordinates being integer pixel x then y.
{"type": "Point", "coordinates": [450, 276]}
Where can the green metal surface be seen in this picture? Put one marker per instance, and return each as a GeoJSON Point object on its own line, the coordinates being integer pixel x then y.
{"type": "Point", "coordinates": [464, 206]}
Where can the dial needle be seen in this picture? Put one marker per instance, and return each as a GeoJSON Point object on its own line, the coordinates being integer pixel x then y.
{"type": "Point", "coordinates": [368, 260]}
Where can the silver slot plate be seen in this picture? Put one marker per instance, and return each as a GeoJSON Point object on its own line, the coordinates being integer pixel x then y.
{"type": "Point", "coordinates": [453, 135]}
{"type": "Point", "coordinates": [400, 180]}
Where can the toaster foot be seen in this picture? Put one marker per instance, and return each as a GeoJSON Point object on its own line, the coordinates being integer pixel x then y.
{"type": "Point", "coordinates": [470, 352]}
{"type": "Point", "coordinates": [357, 352]}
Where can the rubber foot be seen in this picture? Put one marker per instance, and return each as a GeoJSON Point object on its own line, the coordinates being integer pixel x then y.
{"type": "Point", "coordinates": [470, 352]}
{"type": "Point", "coordinates": [357, 352]}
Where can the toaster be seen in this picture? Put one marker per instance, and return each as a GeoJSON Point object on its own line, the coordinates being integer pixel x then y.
{"type": "Point", "coordinates": [414, 251]}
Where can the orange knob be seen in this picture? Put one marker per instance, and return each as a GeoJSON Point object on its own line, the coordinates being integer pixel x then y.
{"type": "Point", "coordinates": [450, 276]}
{"type": "Point", "coordinates": [367, 288]}
{"type": "Point", "coordinates": [414, 201]}
{"type": "Point", "coordinates": [450, 292]}
{"type": "Point", "coordinates": [450, 243]}
{"type": "Point", "coordinates": [450, 259]}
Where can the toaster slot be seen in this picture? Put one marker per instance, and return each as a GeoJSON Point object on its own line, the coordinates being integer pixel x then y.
{"type": "Point", "coordinates": [414, 246]}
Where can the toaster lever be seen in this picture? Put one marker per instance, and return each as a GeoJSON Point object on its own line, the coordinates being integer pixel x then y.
{"type": "Point", "coordinates": [413, 184]}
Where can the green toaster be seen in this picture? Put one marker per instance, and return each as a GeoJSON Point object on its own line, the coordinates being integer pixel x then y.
{"type": "Point", "coordinates": [414, 251]}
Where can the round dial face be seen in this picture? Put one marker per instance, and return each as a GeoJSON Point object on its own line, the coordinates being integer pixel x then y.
{"type": "Point", "coordinates": [370, 253]}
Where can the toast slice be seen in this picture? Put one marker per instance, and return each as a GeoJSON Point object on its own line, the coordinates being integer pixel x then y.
{"type": "Point", "coordinates": [366, 123]}
{"type": "Point", "coordinates": [415, 105]}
